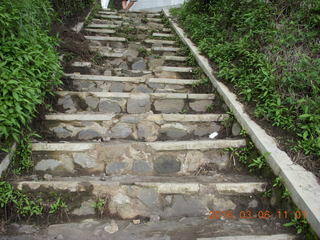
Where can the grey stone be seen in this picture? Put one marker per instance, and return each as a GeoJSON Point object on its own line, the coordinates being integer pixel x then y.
{"type": "Point", "coordinates": [169, 106]}
{"type": "Point", "coordinates": [27, 229]}
{"type": "Point", "coordinates": [148, 131]}
{"type": "Point", "coordinates": [200, 105]}
{"type": "Point", "coordinates": [142, 88]}
{"type": "Point", "coordinates": [67, 103]}
{"type": "Point", "coordinates": [109, 107]}
{"type": "Point", "coordinates": [88, 134]}
{"type": "Point", "coordinates": [206, 130]}
{"type": "Point", "coordinates": [61, 132]}
{"type": "Point", "coordinates": [186, 206]}
{"type": "Point", "coordinates": [111, 228]}
{"type": "Point", "coordinates": [117, 87]}
{"type": "Point", "coordinates": [154, 218]}
{"type": "Point", "coordinates": [253, 204]}
{"type": "Point", "coordinates": [123, 66]}
{"type": "Point", "coordinates": [148, 196]}
{"type": "Point", "coordinates": [116, 62]}
{"type": "Point", "coordinates": [107, 72]}
{"type": "Point", "coordinates": [116, 44]}
{"type": "Point", "coordinates": [47, 177]}
{"type": "Point", "coordinates": [86, 209]}
{"type": "Point", "coordinates": [92, 102]}
{"type": "Point", "coordinates": [139, 64]}
{"type": "Point", "coordinates": [49, 164]}
{"type": "Point", "coordinates": [84, 160]}
{"type": "Point", "coordinates": [166, 164]}
{"type": "Point", "coordinates": [175, 130]}
{"type": "Point", "coordinates": [121, 130]}
{"type": "Point", "coordinates": [141, 167]}
{"type": "Point", "coordinates": [169, 199]}
{"type": "Point", "coordinates": [115, 168]}
{"type": "Point", "coordinates": [139, 104]}
{"type": "Point", "coordinates": [94, 71]}
{"type": "Point", "coordinates": [130, 119]}
{"type": "Point", "coordinates": [236, 129]}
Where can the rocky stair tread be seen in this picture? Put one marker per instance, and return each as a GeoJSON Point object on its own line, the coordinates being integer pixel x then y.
{"type": "Point", "coordinates": [166, 49]}
{"type": "Point", "coordinates": [175, 58]}
{"type": "Point", "coordinates": [254, 237]}
{"type": "Point", "coordinates": [166, 30]}
{"type": "Point", "coordinates": [97, 25]}
{"type": "Point", "coordinates": [164, 35]}
{"type": "Point", "coordinates": [94, 30]}
{"type": "Point", "coordinates": [131, 197]}
{"type": "Point", "coordinates": [103, 38]}
{"type": "Point", "coordinates": [108, 12]}
{"type": "Point", "coordinates": [81, 64]}
{"type": "Point", "coordinates": [109, 16]}
{"type": "Point", "coordinates": [190, 228]}
{"type": "Point", "coordinates": [153, 15]}
{"type": "Point", "coordinates": [138, 127]}
{"type": "Point", "coordinates": [157, 20]}
{"type": "Point", "coordinates": [117, 102]}
{"type": "Point", "coordinates": [177, 69]}
{"type": "Point", "coordinates": [140, 158]}
{"type": "Point", "coordinates": [106, 52]}
{"type": "Point", "coordinates": [156, 41]}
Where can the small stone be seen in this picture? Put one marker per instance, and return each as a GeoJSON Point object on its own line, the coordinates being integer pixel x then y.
{"type": "Point", "coordinates": [109, 107]}
{"type": "Point", "coordinates": [107, 72]}
{"type": "Point", "coordinates": [139, 104]}
{"type": "Point", "coordinates": [175, 130]}
{"type": "Point", "coordinates": [61, 132]}
{"type": "Point", "coordinates": [142, 89]}
{"type": "Point", "coordinates": [88, 134]}
{"type": "Point", "coordinates": [67, 103]}
{"type": "Point", "coordinates": [136, 221]}
{"type": "Point", "coordinates": [236, 129]}
{"type": "Point", "coordinates": [59, 237]}
{"type": "Point", "coordinates": [116, 44]}
{"type": "Point", "coordinates": [49, 164]}
{"type": "Point", "coordinates": [92, 102]}
{"type": "Point", "coordinates": [200, 106]}
{"type": "Point", "coordinates": [169, 106]}
{"type": "Point", "coordinates": [139, 64]}
{"type": "Point", "coordinates": [148, 131]}
{"type": "Point", "coordinates": [112, 227]}
{"type": "Point", "coordinates": [94, 71]}
{"type": "Point", "coordinates": [123, 66]}
{"type": "Point", "coordinates": [154, 218]}
{"type": "Point", "coordinates": [117, 87]}
{"type": "Point", "coordinates": [141, 167]}
{"type": "Point", "coordinates": [121, 130]}
{"type": "Point", "coordinates": [84, 160]}
{"type": "Point", "coordinates": [47, 177]}
{"type": "Point", "coordinates": [166, 164]}
{"type": "Point", "coordinates": [86, 209]}
{"type": "Point", "coordinates": [115, 168]}
{"type": "Point", "coordinates": [169, 199]}
{"type": "Point", "coordinates": [253, 204]}
{"type": "Point", "coordinates": [148, 196]}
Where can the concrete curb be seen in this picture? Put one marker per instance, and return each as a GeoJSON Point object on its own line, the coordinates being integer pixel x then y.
{"type": "Point", "coordinates": [302, 184]}
{"type": "Point", "coordinates": [6, 161]}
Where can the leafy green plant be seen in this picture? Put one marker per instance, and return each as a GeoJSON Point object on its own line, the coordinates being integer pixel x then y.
{"type": "Point", "coordinates": [57, 206]}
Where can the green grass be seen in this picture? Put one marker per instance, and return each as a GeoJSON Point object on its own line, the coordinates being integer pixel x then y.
{"type": "Point", "coordinates": [269, 52]}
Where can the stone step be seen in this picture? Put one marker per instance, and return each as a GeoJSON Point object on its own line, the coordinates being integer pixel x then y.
{"type": "Point", "coordinates": [82, 64]}
{"type": "Point", "coordinates": [166, 30]}
{"type": "Point", "coordinates": [132, 197]}
{"type": "Point", "coordinates": [94, 30]}
{"type": "Point", "coordinates": [164, 42]}
{"type": "Point", "coordinates": [103, 38]}
{"type": "Point", "coordinates": [108, 12]}
{"type": "Point", "coordinates": [187, 228]}
{"type": "Point", "coordinates": [109, 16]}
{"type": "Point", "coordinates": [100, 83]}
{"type": "Point", "coordinates": [254, 237]}
{"type": "Point", "coordinates": [166, 49]}
{"type": "Point", "coordinates": [164, 35]}
{"type": "Point", "coordinates": [117, 102]}
{"type": "Point", "coordinates": [174, 158]}
{"type": "Point", "coordinates": [175, 58]}
{"type": "Point", "coordinates": [101, 25]}
{"type": "Point", "coordinates": [107, 52]}
{"type": "Point", "coordinates": [139, 127]}
{"type": "Point", "coordinates": [177, 69]}
{"type": "Point", "coordinates": [152, 15]}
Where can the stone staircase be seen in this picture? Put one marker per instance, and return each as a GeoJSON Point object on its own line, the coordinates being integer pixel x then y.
{"type": "Point", "coordinates": [129, 132]}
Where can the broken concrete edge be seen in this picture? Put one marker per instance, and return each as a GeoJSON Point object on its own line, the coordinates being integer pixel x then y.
{"type": "Point", "coordinates": [302, 184]}
{"type": "Point", "coordinates": [79, 26]}
{"type": "Point", "coordinates": [6, 161]}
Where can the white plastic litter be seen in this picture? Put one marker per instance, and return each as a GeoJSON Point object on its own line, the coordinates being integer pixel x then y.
{"type": "Point", "coordinates": [213, 135]}
{"type": "Point", "coordinates": [104, 3]}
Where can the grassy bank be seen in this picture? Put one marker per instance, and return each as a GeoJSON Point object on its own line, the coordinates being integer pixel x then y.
{"type": "Point", "coordinates": [269, 53]}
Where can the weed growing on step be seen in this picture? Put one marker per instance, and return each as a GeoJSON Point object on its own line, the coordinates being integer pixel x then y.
{"type": "Point", "coordinates": [143, 52]}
